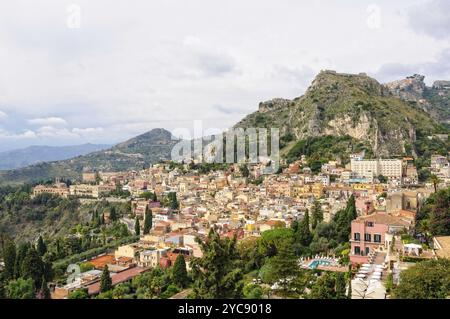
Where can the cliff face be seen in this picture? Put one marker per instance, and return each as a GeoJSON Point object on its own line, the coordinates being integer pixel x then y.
{"type": "Point", "coordinates": [410, 89]}
{"type": "Point", "coordinates": [350, 105]}
{"type": "Point", "coordinates": [434, 100]}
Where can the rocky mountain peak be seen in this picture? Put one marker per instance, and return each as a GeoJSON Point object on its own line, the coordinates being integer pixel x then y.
{"type": "Point", "coordinates": [410, 89]}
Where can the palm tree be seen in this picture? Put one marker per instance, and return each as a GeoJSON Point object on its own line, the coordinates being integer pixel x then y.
{"type": "Point", "coordinates": [436, 181]}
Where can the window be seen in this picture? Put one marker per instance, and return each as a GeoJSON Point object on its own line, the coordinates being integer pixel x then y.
{"type": "Point", "coordinates": [367, 237]}
{"type": "Point", "coordinates": [369, 224]}
{"type": "Point", "coordinates": [377, 238]}
{"type": "Point", "coordinates": [357, 236]}
{"type": "Point", "coordinates": [357, 250]}
{"type": "Point", "coordinates": [367, 250]}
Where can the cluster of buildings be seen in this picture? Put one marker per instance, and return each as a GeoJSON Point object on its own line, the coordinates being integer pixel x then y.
{"type": "Point", "coordinates": [246, 206]}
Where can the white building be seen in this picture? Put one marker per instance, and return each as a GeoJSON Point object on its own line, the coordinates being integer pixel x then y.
{"type": "Point", "coordinates": [391, 168]}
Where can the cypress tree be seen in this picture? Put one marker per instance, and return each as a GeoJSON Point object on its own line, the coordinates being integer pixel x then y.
{"type": "Point", "coordinates": [105, 280]}
{"type": "Point", "coordinates": [41, 247]}
{"type": "Point", "coordinates": [33, 267]}
{"type": "Point", "coordinates": [148, 220]}
{"type": "Point", "coordinates": [340, 286]}
{"type": "Point", "coordinates": [349, 293]}
{"type": "Point", "coordinates": [113, 214]}
{"type": "Point", "coordinates": [317, 214]}
{"type": "Point", "coordinates": [20, 256]}
{"type": "Point", "coordinates": [179, 272]}
{"type": "Point", "coordinates": [304, 235]}
{"type": "Point", "coordinates": [137, 227]}
{"type": "Point", "coordinates": [44, 292]}
{"type": "Point", "coordinates": [9, 258]}
{"type": "Point", "coordinates": [351, 209]}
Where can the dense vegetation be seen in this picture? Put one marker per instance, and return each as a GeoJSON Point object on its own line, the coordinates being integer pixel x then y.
{"type": "Point", "coordinates": [433, 217]}
{"type": "Point", "coordinates": [426, 280]}
{"type": "Point", "coordinates": [321, 149]}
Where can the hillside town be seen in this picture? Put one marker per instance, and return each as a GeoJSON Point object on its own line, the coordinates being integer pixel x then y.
{"type": "Point", "coordinates": [239, 201]}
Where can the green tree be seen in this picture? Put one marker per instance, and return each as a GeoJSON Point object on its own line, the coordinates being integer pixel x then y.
{"type": "Point", "coordinates": [284, 267]}
{"type": "Point", "coordinates": [86, 266]}
{"type": "Point", "coordinates": [44, 292]}
{"type": "Point", "coordinates": [148, 196]}
{"type": "Point", "coordinates": [351, 209]}
{"type": "Point", "coordinates": [434, 179]}
{"type": "Point", "coordinates": [121, 291]}
{"type": "Point", "coordinates": [79, 294]}
{"type": "Point", "coordinates": [349, 292]}
{"type": "Point", "coordinates": [317, 214]}
{"type": "Point", "coordinates": [21, 253]}
{"type": "Point", "coordinates": [33, 267]}
{"type": "Point", "coordinates": [340, 286]}
{"type": "Point", "coordinates": [324, 288]}
{"type": "Point", "coordinates": [9, 258]}
{"type": "Point", "coordinates": [342, 221]}
{"type": "Point", "coordinates": [113, 214]}
{"type": "Point", "coordinates": [217, 274]}
{"type": "Point", "coordinates": [252, 291]}
{"type": "Point", "coordinates": [250, 252]}
{"type": "Point", "coordinates": [41, 247]}
{"type": "Point", "coordinates": [137, 227]}
{"type": "Point", "coordinates": [173, 201]}
{"type": "Point", "coordinates": [244, 170]}
{"type": "Point", "coordinates": [179, 272]}
{"type": "Point", "coordinates": [20, 289]}
{"type": "Point", "coordinates": [105, 280]}
{"type": "Point", "coordinates": [148, 220]}
{"type": "Point", "coordinates": [382, 179]}
{"type": "Point", "coordinates": [97, 178]}
{"type": "Point", "coordinates": [425, 280]}
{"type": "Point", "coordinates": [170, 291]}
{"type": "Point", "coordinates": [439, 219]}
{"type": "Point", "coordinates": [303, 235]}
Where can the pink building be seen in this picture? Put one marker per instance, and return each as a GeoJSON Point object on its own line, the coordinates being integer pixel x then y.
{"type": "Point", "coordinates": [369, 234]}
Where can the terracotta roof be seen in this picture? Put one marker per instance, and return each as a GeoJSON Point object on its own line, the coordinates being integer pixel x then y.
{"type": "Point", "coordinates": [380, 218]}
{"type": "Point", "coordinates": [118, 278]}
{"type": "Point", "coordinates": [101, 261]}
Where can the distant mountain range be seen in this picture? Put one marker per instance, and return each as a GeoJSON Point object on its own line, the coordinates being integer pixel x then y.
{"type": "Point", "coordinates": [135, 153]}
{"type": "Point", "coordinates": [40, 153]}
{"type": "Point", "coordinates": [338, 114]}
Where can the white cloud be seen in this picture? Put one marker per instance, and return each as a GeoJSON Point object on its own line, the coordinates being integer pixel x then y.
{"type": "Point", "coordinates": [3, 115]}
{"type": "Point", "coordinates": [48, 121]}
{"type": "Point", "coordinates": [431, 18]}
{"type": "Point", "coordinates": [131, 67]}
{"type": "Point", "coordinates": [6, 135]}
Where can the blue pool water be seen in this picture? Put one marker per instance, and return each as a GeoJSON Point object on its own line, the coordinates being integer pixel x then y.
{"type": "Point", "coordinates": [315, 263]}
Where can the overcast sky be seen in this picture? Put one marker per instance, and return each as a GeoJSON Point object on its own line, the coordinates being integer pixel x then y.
{"type": "Point", "coordinates": [103, 71]}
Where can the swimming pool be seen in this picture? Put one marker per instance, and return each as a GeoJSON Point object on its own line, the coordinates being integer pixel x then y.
{"type": "Point", "coordinates": [319, 262]}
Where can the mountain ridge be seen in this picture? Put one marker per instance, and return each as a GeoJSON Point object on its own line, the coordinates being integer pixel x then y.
{"type": "Point", "coordinates": [340, 104]}
{"type": "Point", "coordinates": [155, 145]}
{"type": "Point", "coordinates": [34, 154]}
{"type": "Point", "coordinates": [344, 112]}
